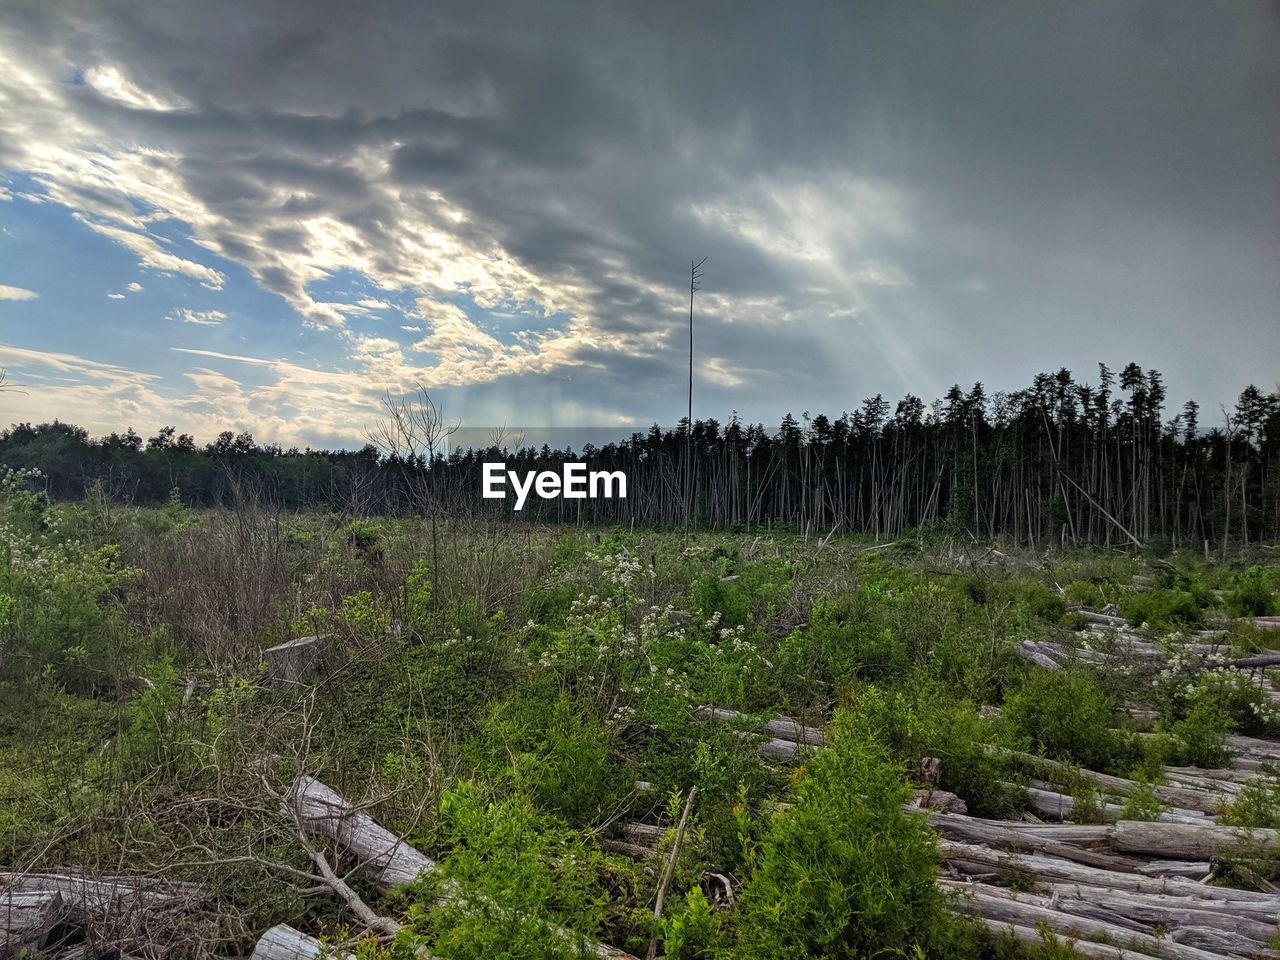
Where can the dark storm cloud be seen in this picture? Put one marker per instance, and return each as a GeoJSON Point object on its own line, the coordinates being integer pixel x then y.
{"type": "Point", "coordinates": [893, 196]}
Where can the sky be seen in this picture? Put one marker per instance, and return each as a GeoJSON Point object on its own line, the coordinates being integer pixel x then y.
{"type": "Point", "coordinates": [269, 216]}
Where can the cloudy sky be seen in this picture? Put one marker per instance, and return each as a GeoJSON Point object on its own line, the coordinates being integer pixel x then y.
{"type": "Point", "coordinates": [263, 215]}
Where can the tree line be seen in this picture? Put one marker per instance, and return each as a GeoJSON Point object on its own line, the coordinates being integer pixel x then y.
{"type": "Point", "coordinates": [1060, 461]}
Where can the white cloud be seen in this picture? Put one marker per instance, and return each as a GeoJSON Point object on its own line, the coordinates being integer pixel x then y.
{"type": "Point", "coordinates": [16, 293]}
{"type": "Point", "coordinates": [134, 287]}
{"type": "Point", "coordinates": [153, 256]}
{"type": "Point", "coordinates": [115, 296]}
{"type": "Point", "coordinates": [113, 84]}
{"type": "Point", "coordinates": [207, 318]}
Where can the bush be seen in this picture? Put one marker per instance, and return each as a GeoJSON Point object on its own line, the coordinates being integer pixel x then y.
{"type": "Point", "coordinates": [553, 753]}
{"type": "Point", "coordinates": [1067, 716]}
{"type": "Point", "coordinates": [1163, 609]}
{"type": "Point", "coordinates": [845, 873]}
{"type": "Point", "coordinates": [1251, 595]}
{"type": "Point", "coordinates": [931, 722]}
{"type": "Point", "coordinates": [692, 930]}
{"type": "Point", "coordinates": [60, 595]}
{"type": "Point", "coordinates": [521, 874]}
{"type": "Point", "coordinates": [844, 641]}
{"type": "Point", "coordinates": [1201, 734]}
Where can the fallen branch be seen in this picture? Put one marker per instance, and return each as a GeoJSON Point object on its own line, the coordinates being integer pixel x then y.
{"type": "Point", "coordinates": [670, 869]}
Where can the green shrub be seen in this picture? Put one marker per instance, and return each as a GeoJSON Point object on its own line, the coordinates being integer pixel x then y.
{"type": "Point", "coordinates": [1142, 803]}
{"type": "Point", "coordinates": [845, 640]}
{"type": "Point", "coordinates": [845, 873]}
{"type": "Point", "coordinates": [1252, 595]}
{"type": "Point", "coordinates": [549, 750]}
{"type": "Point", "coordinates": [927, 720]}
{"type": "Point", "coordinates": [1201, 734]}
{"type": "Point", "coordinates": [417, 596]}
{"type": "Point", "coordinates": [60, 595]}
{"type": "Point", "coordinates": [1256, 805]}
{"type": "Point", "coordinates": [1066, 715]}
{"type": "Point", "coordinates": [521, 875]}
{"type": "Point", "coordinates": [692, 931]}
{"type": "Point", "coordinates": [1163, 608]}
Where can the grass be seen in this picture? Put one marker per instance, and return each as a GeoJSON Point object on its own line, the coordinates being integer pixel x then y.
{"type": "Point", "coordinates": [501, 715]}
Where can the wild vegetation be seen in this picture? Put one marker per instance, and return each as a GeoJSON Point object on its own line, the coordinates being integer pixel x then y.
{"type": "Point", "coordinates": [1062, 461]}
{"type": "Point", "coordinates": [526, 707]}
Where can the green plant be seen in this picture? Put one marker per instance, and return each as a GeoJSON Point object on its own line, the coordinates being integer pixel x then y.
{"type": "Point", "coordinates": [1164, 608]}
{"type": "Point", "coordinates": [1066, 715]}
{"type": "Point", "coordinates": [418, 595]}
{"type": "Point", "coordinates": [1256, 805]}
{"type": "Point", "coordinates": [541, 743]}
{"type": "Point", "coordinates": [845, 872]}
{"type": "Point", "coordinates": [692, 931]}
{"type": "Point", "coordinates": [525, 881]}
{"type": "Point", "coordinates": [1201, 734]}
{"type": "Point", "coordinates": [1142, 803]}
{"type": "Point", "coordinates": [1252, 594]}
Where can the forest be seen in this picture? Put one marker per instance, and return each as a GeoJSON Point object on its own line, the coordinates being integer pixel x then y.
{"type": "Point", "coordinates": [1061, 461]}
{"type": "Point", "coordinates": [997, 681]}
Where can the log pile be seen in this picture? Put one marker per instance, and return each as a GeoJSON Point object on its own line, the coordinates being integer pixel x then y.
{"type": "Point", "coordinates": [1123, 889]}
{"type": "Point", "coordinates": [1143, 887]}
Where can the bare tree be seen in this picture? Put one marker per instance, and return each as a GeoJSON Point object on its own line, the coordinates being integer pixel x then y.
{"type": "Point", "coordinates": [413, 434]}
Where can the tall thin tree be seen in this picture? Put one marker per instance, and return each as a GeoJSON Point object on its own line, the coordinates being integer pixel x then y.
{"type": "Point", "coordinates": [695, 284]}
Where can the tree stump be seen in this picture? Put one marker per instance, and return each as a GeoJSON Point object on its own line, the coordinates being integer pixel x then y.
{"type": "Point", "coordinates": [26, 918]}
{"type": "Point", "coordinates": [294, 661]}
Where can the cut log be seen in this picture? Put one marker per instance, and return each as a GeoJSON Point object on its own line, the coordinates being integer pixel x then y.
{"type": "Point", "coordinates": [26, 917]}
{"type": "Point", "coordinates": [980, 902]}
{"type": "Point", "coordinates": [282, 942]}
{"type": "Point", "coordinates": [783, 728]}
{"type": "Point", "coordinates": [1028, 651]}
{"type": "Point", "coordinates": [636, 851]}
{"type": "Point", "coordinates": [294, 661]}
{"type": "Point", "coordinates": [1193, 841]}
{"type": "Point", "coordinates": [1254, 747]}
{"type": "Point", "coordinates": [114, 894]}
{"type": "Point", "coordinates": [645, 833]}
{"type": "Point", "coordinates": [1255, 661]}
{"type": "Point", "coordinates": [1221, 942]}
{"type": "Point", "coordinates": [941, 800]}
{"type": "Point", "coordinates": [389, 860]}
{"type": "Point", "coordinates": [781, 751]}
{"type": "Point", "coordinates": [1169, 912]}
{"type": "Point", "coordinates": [1047, 800]}
{"type": "Point", "coordinates": [994, 833]}
{"type": "Point", "coordinates": [1104, 619]}
{"type": "Point", "coordinates": [1198, 870]}
{"type": "Point", "coordinates": [1044, 901]}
